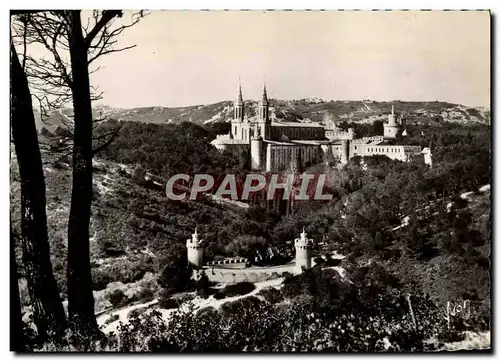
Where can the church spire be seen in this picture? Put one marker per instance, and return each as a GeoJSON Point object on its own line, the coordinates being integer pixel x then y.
{"type": "Point", "coordinates": [264, 107]}
{"type": "Point", "coordinates": [239, 108]}
{"type": "Point", "coordinates": [264, 95]}
{"type": "Point", "coordinates": [240, 95]}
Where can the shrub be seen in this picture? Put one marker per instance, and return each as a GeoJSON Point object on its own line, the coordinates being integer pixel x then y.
{"type": "Point", "coordinates": [206, 311]}
{"type": "Point", "coordinates": [175, 278]}
{"type": "Point", "coordinates": [117, 298]}
{"type": "Point", "coordinates": [271, 295]}
{"type": "Point", "coordinates": [121, 270]}
{"type": "Point", "coordinates": [333, 262]}
{"type": "Point", "coordinates": [145, 294]}
{"type": "Point", "coordinates": [136, 312]}
{"type": "Point", "coordinates": [319, 260]}
{"type": "Point", "coordinates": [238, 289]}
{"type": "Point", "coordinates": [202, 285]}
{"type": "Point", "coordinates": [184, 297]}
{"type": "Point", "coordinates": [168, 303]}
{"type": "Point", "coordinates": [219, 295]}
{"type": "Point", "coordinates": [238, 307]}
{"type": "Point", "coordinates": [111, 319]}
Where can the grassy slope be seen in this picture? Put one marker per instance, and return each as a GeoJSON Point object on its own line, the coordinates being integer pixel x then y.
{"type": "Point", "coordinates": [132, 225]}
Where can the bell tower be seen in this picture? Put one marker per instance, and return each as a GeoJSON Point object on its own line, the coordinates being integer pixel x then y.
{"type": "Point", "coordinates": [194, 247]}
{"type": "Point", "coordinates": [239, 107]}
{"type": "Point", "coordinates": [239, 115]}
{"type": "Point", "coordinates": [264, 120]}
{"type": "Point", "coordinates": [264, 107]}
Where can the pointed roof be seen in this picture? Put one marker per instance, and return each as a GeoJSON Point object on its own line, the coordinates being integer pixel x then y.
{"type": "Point", "coordinates": [240, 95]}
{"type": "Point", "coordinates": [264, 96]}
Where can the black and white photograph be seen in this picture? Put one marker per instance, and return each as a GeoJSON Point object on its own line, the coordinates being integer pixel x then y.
{"type": "Point", "coordinates": [250, 181]}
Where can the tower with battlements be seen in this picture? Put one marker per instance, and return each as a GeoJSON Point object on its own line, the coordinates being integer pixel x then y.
{"type": "Point", "coordinates": [303, 251]}
{"type": "Point", "coordinates": [194, 247]}
{"type": "Point", "coordinates": [257, 150]}
{"type": "Point", "coordinates": [391, 128]}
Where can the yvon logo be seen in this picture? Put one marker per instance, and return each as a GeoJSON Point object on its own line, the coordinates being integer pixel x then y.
{"type": "Point", "coordinates": [457, 309]}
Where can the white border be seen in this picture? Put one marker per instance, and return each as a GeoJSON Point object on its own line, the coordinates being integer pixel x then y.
{"type": "Point", "coordinates": [186, 4]}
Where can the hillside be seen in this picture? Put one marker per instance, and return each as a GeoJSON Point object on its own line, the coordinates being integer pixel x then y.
{"type": "Point", "coordinates": [426, 229]}
{"type": "Point", "coordinates": [304, 110]}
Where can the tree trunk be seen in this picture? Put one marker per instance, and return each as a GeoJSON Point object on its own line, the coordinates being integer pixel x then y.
{"type": "Point", "coordinates": [80, 297]}
{"type": "Point", "coordinates": [17, 341]}
{"type": "Point", "coordinates": [48, 312]}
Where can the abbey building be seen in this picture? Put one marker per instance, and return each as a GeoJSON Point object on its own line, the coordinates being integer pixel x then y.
{"type": "Point", "coordinates": [279, 146]}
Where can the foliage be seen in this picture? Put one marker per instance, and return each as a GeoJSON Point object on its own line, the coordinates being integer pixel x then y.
{"type": "Point", "coordinates": [237, 289]}
{"type": "Point", "coordinates": [136, 312]}
{"type": "Point", "coordinates": [305, 324]}
{"type": "Point", "coordinates": [166, 150]}
{"type": "Point", "coordinates": [271, 295]}
{"type": "Point", "coordinates": [117, 298]}
{"type": "Point", "coordinates": [175, 278]}
{"type": "Point", "coordinates": [166, 301]}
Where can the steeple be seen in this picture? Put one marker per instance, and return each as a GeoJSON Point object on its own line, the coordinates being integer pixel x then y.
{"type": "Point", "coordinates": [239, 108]}
{"type": "Point", "coordinates": [240, 95]}
{"type": "Point", "coordinates": [264, 101]}
{"type": "Point", "coordinates": [392, 110]}
{"type": "Point", "coordinates": [264, 106]}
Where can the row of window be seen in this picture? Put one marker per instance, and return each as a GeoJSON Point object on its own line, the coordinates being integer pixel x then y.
{"type": "Point", "coordinates": [297, 133]}
{"type": "Point", "coordinates": [384, 150]}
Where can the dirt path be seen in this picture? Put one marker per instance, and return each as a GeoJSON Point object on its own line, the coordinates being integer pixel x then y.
{"type": "Point", "coordinates": [198, 303]}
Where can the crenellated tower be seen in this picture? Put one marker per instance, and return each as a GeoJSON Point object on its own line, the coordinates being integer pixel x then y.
{"type": "Point", "coordinates": [194, 247]}
{"type": "Point", "coordinates": [303, 251]}
{"type": "Point", "coordinates": [257, 150]}
{"type": "Point", "coordinates": [391, 128]}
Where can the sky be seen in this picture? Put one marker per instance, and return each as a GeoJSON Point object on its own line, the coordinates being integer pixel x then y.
{"type": "Point", "coordinates": [196, 57]}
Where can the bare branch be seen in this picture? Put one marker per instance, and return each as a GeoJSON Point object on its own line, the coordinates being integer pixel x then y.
{"type": "Point", "coordinates": [104, 52]}
{"type": "Point", "coordinates": [50, 76]}
{"type": "Point", "coordinates": [107, 16]}
{"type": "Point", "coordinates": [110, 135]}
{"type": "Point", "coordinates": [47, 28]}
